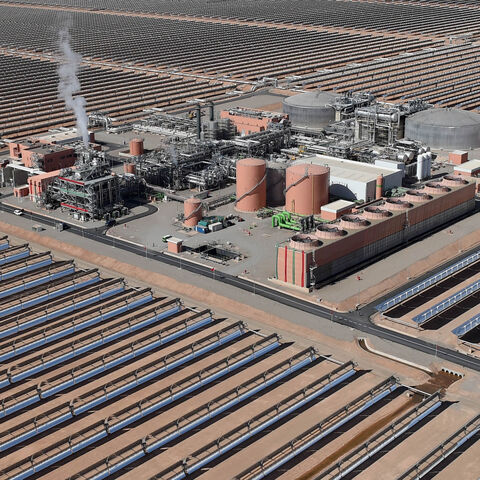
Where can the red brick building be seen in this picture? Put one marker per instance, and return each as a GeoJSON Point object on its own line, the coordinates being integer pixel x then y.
{"type": "Point", "coordinates": [249, 121]}
{"type": "Point", "coordinates": [46, 157]}
{"type": "Point", "coordinates": [37, 184]}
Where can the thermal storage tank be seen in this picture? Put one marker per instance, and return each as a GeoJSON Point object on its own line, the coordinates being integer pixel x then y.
{"type": "Point", "coordinates": [448, 128]}
{"type": "Point", "coordinates": [129, 168]}
{"type": "Point", "coordinates": [136, 146]}
{"type": "Point", "coordinates": [310, 109]}
{"type": "Point", "coordinates": [421, 166]}
{"type": "Point", "coordinates": [276, 183]}
{"type": "Point", "coordinates": [251, 185]}
{"type": "Point", "coordinates": [306, 188]}
{"type": "Point", "coordinates": [192, 212]}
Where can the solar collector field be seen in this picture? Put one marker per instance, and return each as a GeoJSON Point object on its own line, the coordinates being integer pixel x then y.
{"type": "Point", "coordinates": [137, 383]}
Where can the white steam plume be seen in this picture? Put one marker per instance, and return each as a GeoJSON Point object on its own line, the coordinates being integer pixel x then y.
{"type": "Point", "coordinates": [69, 83]}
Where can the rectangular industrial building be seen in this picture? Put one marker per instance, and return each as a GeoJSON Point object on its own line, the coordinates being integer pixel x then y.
{"type": "Point", "coordinates": [352, 180]}
{"type": "Point", "coordinates": [41, 156]}
{"type": "Point", "coordinates": [334, 210]}
{"type": "Point", "coordinates": [371, 231]}
{"type": "Point", "coordinates": [468, 169]}
{"type": "Point", "coordinates": [38, 183]}
{"type": "Point", "coordinates": [248, 120]}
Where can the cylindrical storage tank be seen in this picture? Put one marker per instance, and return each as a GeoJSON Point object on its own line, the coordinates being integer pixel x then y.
{"type": "Point", "coordinates": [310, 109]}
{"type": "Point", "coordinates": [375, 213]}
{"type": "Point", "coordinates": [306, 188]}
{"type": "Point", "coordinates": [410, 155]}
{"type": "Point", "coordinates": [453, 181]}
{"type": "Point", "coordinates": [379, 187]}
{"type": "Point", "coordinates": [427, 165]}
{"type": "Point", "coordinates": [192, 212]}
{"type": "Point", "coordinates": [416, 196]}
{"type": "Point", "coordinates": [136, 146]}
{"type": "Point", "coordinates": [129, 168]}
{"type": "Point", "coordinates": [448, 128]}
{"type": "Point", "coordinates": [329, 232]}
{"type": "Point", "coordinates": [303, 241]}
{"type": "Point", "coordinates": [251, 185]}
{"type": "Point", "coordinates": [420, 166]}
{"type": "Point", "coordinates": [434, 188]}
{"type": "Point", "coordinates": [276, 172]}
{"type": "Point", "coordinates": [91, 137]}
{"type": "Point", "coordinates": [353, 222]}
{"type": "Point", "coordinates": [397, 204]}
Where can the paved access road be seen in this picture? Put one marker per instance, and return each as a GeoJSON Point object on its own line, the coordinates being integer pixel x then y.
{"type": "Point", "coordinates": [358, 320]}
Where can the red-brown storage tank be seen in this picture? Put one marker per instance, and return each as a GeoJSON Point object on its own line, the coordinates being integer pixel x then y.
{"type": "Point", "coordinates": [129, 168]}
{"type": "Point", "coordinates": [136, 146]}
{"type": "Point", "coordinates": [192, 212]}
{"type": "Point", "coordinates": [251, 185]}
{"type": "Point", "coordinates": [306, 188]}
{"type": "Point", "coordinates": [91, 137]}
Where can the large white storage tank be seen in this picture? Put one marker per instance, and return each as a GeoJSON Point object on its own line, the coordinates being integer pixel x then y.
{"type": "Point", "coordinates": [311, 109]}
{"type": "Point", "coordinates": [447, 128]}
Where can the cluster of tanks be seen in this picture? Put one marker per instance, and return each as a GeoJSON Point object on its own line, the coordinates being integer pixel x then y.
{"type": "Point", "coordinates": [447, 128]}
